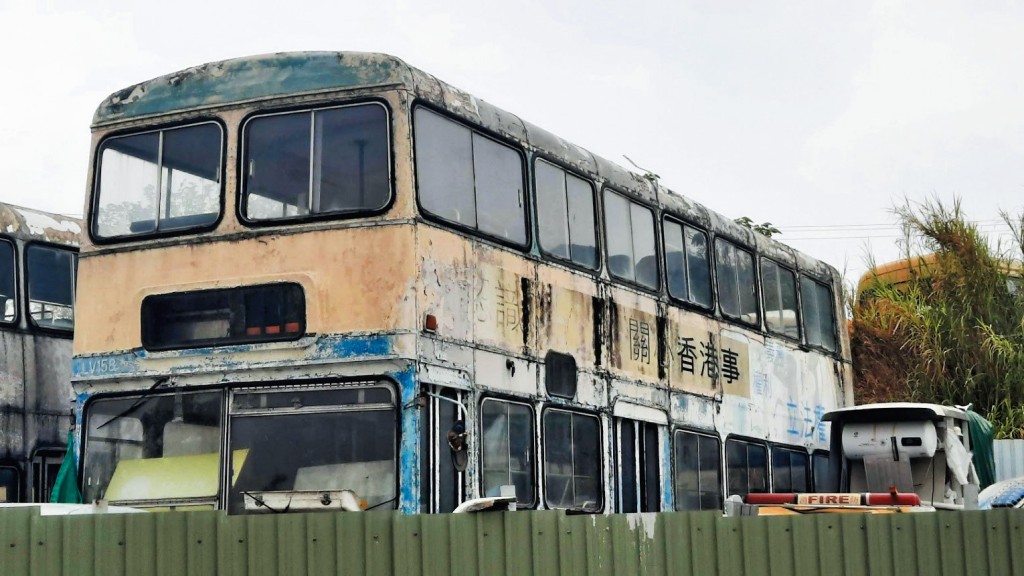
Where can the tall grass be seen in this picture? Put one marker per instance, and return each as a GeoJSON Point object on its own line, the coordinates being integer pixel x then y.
{"type": "Point", "coordinates": [953, 334]}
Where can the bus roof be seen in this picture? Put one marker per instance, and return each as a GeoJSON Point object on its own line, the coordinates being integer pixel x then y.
{"type": "Point", "coordinates": [29, 224]}
{"type": "Point", "coordinates": [263, 77]}
{"type": "Point", "coordinates": [894, 411]}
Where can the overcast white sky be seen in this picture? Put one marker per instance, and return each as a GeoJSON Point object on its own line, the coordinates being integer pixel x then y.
{"type": "Point", "coordinates": [816, 116]}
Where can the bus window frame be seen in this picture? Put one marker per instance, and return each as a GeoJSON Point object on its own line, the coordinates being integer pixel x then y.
{"type": "Point", "coordinates": [835, 319]}
{"type": "Point", "coordinates": [796, 292]}
{"type": "Point", "coordinates": [598, 228]}
{"type": "Point", "coordinates": [808, 477]}
{"type": "Point", "coordinates": [658, 239]}
{"type": "Point", "coordinates": [16, 263]}
{"type": "Point", "coordinates": [97, 167]}
{"type": "Point", "coordinates": [473, 127]}
{"type": "Point", "coordinates": [721, 466]}
{"type": "Point", "coordinates": [748, 441]}
{"type": "Point", "coordinates": [240, 193]}
{"type": "Point", "coordinates": [537, 457]}
{"type": "Point", "coordinates": [602, 448]}
{"type": "Point", "coordinates": [820, 452]}
{"type": "Point", "coordinates": [642, 485]}
{"type": "Point", "coordinates": [709, 310]}
{"type": "Point", "coordinates": [755, 268]}
{"type": "Point", "coordinates": [10, 464]}
{"type": "Point", "coordinates": [27, 301]}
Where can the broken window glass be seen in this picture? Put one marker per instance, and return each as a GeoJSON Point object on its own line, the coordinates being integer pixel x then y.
{"type": "Point", "coordinates": [162, 181]}
{"type": "Point", "coordinates": [51, 286]}
{"type": "Point", "coordinates": [329, 161]}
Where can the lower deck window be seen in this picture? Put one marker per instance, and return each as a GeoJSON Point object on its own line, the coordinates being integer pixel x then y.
{"type": "Point", "coordinates": [10, 484]}
{"type": "Point", "coordinates": [824, 481]}
{"type": "Point", "coordinates": [45, 466]}
{"type": "Point", "coordinates": [572, 460]}
{"type": "Point", "coordinates": [746, 467]}
{"type": "Point", "coordinates": [698, 471]}
{"type": "Point", "coordinates": [789, 470]}
{"type": "Point", "coordinates": [507, 449]}
{"type": "Point", "coordinates": [313, 439]}
{"type": "Point", "coordinates": [155, 447]}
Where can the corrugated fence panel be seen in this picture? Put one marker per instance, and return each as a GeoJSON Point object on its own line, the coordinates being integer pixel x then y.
{"type": "Point", "coordinates": [1009, 457]}
{"type": "Point", "coordinates": [536, 543]}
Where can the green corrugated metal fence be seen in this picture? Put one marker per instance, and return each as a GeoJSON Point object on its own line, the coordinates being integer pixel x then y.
{"type": "Point", "coordinates": [198, 543]}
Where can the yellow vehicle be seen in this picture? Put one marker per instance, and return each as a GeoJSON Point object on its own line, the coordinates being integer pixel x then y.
{"type": "Point", "coordinates": [320, 278]}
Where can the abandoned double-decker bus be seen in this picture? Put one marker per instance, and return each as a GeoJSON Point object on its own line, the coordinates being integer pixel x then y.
{"type": "Point", "coordinates": [330, 280]}
{"type": "Point", "coordinates": [38, 255]}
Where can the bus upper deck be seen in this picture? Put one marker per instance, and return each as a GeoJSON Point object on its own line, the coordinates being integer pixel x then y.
{"type": "Point", "coordinates": [38, 255]}
{"type": "Point", "coordinates": [348, 252]}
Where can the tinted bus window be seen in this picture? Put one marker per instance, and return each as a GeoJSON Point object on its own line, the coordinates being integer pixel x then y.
{"type": "Point", "coordinates": [10, 484]}
{"type": "Point", "coordinates": [746, 467]}
{"type": "Point", "coordinates": [469, 179]}
{"type": "Point", "coordinates": [507, 449]}
{"type": "Point", "coordinates": [789, 470]}
{"type": "Point", "coordinates": [688, 267]}
{"type": "Point", "coordinates": [698, 471]}
{"type": "Point", "coordinates": [630, 230]}
{"type": "Point", "coordinates": [565, 213]}
{"type": "Point", "coordinates": [8, 283]}
{"type": "Point", "coordinates": [736, 284]}
{"type": "Point", "coordinates": [162, 181]}
{"type": "Point", "coordinates": [51, 286]}
{"type": "Point", "coordinates": [778, 285]}
{"type": "Point", "coordinates": [332, 161]}
{"type": "Point", "coordinates": [817, 311]}
{"type": "Point", "coordinates": [572, 460]}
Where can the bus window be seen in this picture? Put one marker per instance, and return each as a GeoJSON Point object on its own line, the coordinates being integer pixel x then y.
{"type": "Point", "coordinates": [313, 439]}
{"type": "Point", "coordinates": [51, 286]}
{"type": "Point", "coordinates": [817, 312]}
{"type": "Point", "coordinates": [734, 267]}
{"type": "Point", "coordinates": [565, 213]}
{"type": "Point", "coordinates": [823, 480]}
{"type": "Point", "coordinates": [778, 286]}
{"type": "Point", "coordinates": [10, 484]}
{"type": "Point", "coordinates": [162, 181]}
{"type": "Point", "coordinates": [698, 467]}
{"type": "Point", "coordinates": [507, 449]}
{"type": "Point", "coordinates": [157, 446]}
{"type": "Point", "coordinates": [789, 470]}
{"type": "Point", "coordinates": [442, 482]}
{"type": "Point", "coordinates": [8, 283]}
{"type": "Point", "coordinates": [572, 460]}
{"type": "Point", "coordinates": [469, 179]}
{"type": "Point", "coordinates": [330, 161]}
{"type": "Point", "coordinates": [630, 230]}
{"type": "Point", "coordinates": [45, 465]}
{"type": "Point", "coordinates": [746, 467]}
{"type": "Point", "coordinates": [639, 467]}
{"type": "Point", "coordinates": [688, 269]}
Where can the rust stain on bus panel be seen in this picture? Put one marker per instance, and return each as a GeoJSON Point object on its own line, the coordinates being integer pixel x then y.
{"type": "Point", "coordinates": [502, 301]}
{"type": "Point", "coordinates": [633, 338]}
{"type": "Point", "coordinates": [565, 314]}
{"type": "Point", "coordinates": [355, 280]}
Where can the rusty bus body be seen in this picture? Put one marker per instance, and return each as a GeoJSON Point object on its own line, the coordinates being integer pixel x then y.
{"type": "Point", "coordinates": [332, 310]}
{"type": "Point", "coordinates": [37, 260]}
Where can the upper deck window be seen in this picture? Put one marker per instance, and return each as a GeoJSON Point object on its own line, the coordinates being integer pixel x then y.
{"type": "Point", "coordinates": [332, 161]}
{"type": "Point", "coordinates": [8, 283]}
{"type": "Point", "coordinates": [736, 286]}
{"type": "Point", "coordinates": [778, 286]}
{"type": "Point", "coordinates": [565, 214]}
{"type": "Point", "coordinates": [630, 229]}
{"type": "Point", "coordinates": [689, 266]}
{"type": "Point", "coordinates": [163, 181]}
{"type": "Point", "coordinates": [51, 286]}
{"type": "Point", "coordinates": [817, 311]}
{"type": "Point", "coordinates": [469, 179]}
